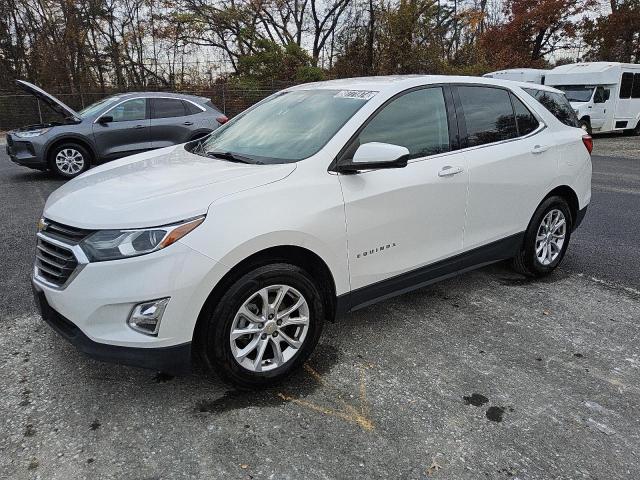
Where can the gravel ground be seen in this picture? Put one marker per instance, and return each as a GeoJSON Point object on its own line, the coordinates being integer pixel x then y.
{"type": "Point", "coordinates": [617, 145]}
{"type": "Point", "coordinates": [488, 375]}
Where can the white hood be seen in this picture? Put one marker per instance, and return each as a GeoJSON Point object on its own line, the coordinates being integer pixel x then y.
{"type": "Point", "coordinates": [154, 188]}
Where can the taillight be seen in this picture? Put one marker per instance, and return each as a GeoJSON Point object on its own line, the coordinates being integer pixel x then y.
{"type": "Point", "coordinates": [222, 119]}
{"type": "Point", "coordinates": [588, 142]}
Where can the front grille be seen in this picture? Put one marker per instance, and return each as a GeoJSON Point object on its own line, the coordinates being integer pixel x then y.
{"type": "Point", "coordinates": [65, 233]}
{"type": "Point", "coordinates": [54, 263]}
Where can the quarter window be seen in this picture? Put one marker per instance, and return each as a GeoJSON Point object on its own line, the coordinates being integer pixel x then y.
{"type": "Point", "coordinates": [557, 104]}
{"type": "Point", "coordinates": [626, 85]}
{"type": "Point", "coordinates": [488, 115]}
{"type": "Point", "coordinates": [417, 120]}
{"type": "Point", "coordinates": [525, 120]}
{"type": "Point", "coordinates": [167, 107]}
{"type": "Point", "coordinates": [135, 109]}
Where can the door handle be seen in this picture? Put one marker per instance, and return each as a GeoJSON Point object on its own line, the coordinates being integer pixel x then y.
{"type": "Point", "coordinates": [539, 148]}
{"type": "Point", "coordinates": [188, 123]}
{"type": "Point", "coordinates": [139, 126]}
{"type": "Point", "coordinates": [448, 171]}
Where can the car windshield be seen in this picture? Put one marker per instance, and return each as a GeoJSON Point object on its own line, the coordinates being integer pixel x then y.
{"type": "Point", "coordinates": [286, 127]}
{"type": "Point", "coordinates": [98, 106]}
{"type": "Point", "coordinates": [576, 93]}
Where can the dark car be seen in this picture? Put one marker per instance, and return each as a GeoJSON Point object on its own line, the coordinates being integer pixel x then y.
{"type": "Point", "coordinates": [114, 127]}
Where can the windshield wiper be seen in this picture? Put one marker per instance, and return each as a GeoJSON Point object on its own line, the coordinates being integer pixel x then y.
{"type": "Point", "coordinates": [233, 157]}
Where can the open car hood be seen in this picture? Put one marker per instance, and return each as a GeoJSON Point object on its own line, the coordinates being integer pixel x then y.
{"type": "Point", "coordinates": [50, 100]}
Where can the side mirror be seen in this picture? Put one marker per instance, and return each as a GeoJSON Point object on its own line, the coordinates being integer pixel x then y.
{"type": "Point", "coordinates": [376, 155]}
{"type": "Point", "coordinates": [105, 119]}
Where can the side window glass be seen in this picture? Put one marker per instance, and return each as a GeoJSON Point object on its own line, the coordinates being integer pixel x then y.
{"type": "Point", "coordinates": [190, 108]}
{"type": "Point", "coordinates": [557, 104]}
{"type": "Point", "coordinates": [167, 107]}
{"type": "Point", "coordinates": [135, 109]}
{"type": "Point", "coordinates": [626, 85]}
{"type": "Point", "coordinates": [488, 115]}
{"type": "Point", "coordinates": [599, 96]}
{"type": "Point", "coordinates": [525, 120]}
{"type": "Point", "coordinates": [635, 91]}
{"type": "Point", "coordinates": [416, 120]}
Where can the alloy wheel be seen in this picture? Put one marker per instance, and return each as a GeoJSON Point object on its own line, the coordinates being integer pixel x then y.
{"type": "Point", "coordinates": [269, 328]}
{"type": "Point", "coordinates": [70, 161]}
{"type": "Point", "coordinates": [550, 237]}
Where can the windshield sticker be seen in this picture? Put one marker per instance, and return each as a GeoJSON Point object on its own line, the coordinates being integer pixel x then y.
{"type": "Point", "coordinates": [359, 94]}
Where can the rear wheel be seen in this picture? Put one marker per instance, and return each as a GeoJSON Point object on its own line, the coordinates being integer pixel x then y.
{"type": "Point", "coordinates": [546, 239]}
{"type": "Point", "coordinates": [69, 160]}
{"type": "Point", "coordinates": [265, 325]}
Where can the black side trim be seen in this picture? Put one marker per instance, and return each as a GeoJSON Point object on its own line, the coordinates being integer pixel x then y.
{"type": "Point", "coordinates": [580, 216]}
{"type": "Point", "coordinates": [175, 359]}
{"type": "Point", "coordinates": [478, 257]}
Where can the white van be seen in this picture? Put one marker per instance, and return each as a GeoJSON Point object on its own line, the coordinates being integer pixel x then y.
{"type": "Point", "coordinates": [528, 75]}
{"type": "Point", "coordinates": [605, 95]}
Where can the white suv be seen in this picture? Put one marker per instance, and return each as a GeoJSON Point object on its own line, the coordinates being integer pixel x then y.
{"type": "Point", "coordinates": [319, 200]}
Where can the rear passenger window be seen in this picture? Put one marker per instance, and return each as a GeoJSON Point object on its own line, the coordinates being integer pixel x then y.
{"type": "Point", "coordinates": [488, 115]}
{"type": "Point", "coordinates": [557, 104]}
{"type": "Point", "coordinates": [525, 120]}
{"type": "Point", "coordinates": [416, 120]}
{"type": "Point", "coordinates": [635, 91]}
{"type": "Point", "coordinates": [626, 85]}
{"type": "Point", "coordinates": [191, 108]}
{"type": "Point", "coordinates": [167, 107]}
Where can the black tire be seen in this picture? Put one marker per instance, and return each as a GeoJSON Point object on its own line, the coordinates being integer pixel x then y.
{"type": "Point", "coordinates": [69, 147]}
{"type": "Point", "coordinates": [526, 261]}
{"type": "Point", "coordinates": [632, 131]}
{"type": "Point", "coordinates": [215, 346]}
{"type": "Point", "coordinates": [585, 124]}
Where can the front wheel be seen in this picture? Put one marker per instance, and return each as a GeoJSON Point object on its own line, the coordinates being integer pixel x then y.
{"type": "Point", "coordinates": [265, 325]}
{"type": "Point", "coordinates": [546, 239]}
{"type": "Point", "coordinates": [69, 160]}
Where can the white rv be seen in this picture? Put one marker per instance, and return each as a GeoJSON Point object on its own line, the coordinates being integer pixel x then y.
{"type": "Point", "coordinates": [605, 95]}
{"type": "Point", "coordinates": [529, 75]}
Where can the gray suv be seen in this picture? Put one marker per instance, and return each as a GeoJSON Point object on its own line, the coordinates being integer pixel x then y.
{"type": "Point", "coordinates": [114, 127]}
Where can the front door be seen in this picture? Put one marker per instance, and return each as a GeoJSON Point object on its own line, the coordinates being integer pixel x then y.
{"type": "Point", "coordinates": [127, 133]}
{"type": "Point", "coordinates": [401, 219]}
{"type": "Point", "coordinates": [601, 104]}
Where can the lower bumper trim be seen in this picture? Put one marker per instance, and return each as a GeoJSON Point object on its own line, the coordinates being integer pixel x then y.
{"type": "Point", "coordinates": [174, 359]}
{"type": "Point", "coordinates": [580, 216]}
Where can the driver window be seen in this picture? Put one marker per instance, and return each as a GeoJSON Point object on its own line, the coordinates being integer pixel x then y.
{"type": "Point", "coordinates": [601, 95]}
{"type": "Point", "coordinates": [135, 109]}
{"type": "Point", "coordinates": [417, 120]}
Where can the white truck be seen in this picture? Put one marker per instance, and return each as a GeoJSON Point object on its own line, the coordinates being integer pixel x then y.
{"type": "Point", "coordinates": [529, 75]}
{"type": "Point", "coordinates": [604, 95]}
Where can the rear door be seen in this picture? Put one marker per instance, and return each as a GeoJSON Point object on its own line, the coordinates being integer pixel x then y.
{"type": "Point", "coordinates": [170, 122]}
{"type": "Point", "coordinates": [127, 133]}
{"type": "Point", "coordinates": [510, 163]}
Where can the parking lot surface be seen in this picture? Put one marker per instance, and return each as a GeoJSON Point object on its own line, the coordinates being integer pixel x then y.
{"type": "Point", "coordinates": [487, 375]}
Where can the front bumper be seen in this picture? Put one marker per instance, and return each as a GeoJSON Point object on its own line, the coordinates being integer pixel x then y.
{"type": "Point", "coordinates": [26, 153]}
{"type": "Point", "coordinates": [91, 311]}
{"type": "Point", "coordinates": [175, 359]}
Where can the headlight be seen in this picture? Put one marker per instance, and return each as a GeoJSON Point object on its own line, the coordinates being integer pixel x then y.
{"type": "Point", "coordinates": [114, 244]}
{"type": "Point", "coordinates": [31, 133]}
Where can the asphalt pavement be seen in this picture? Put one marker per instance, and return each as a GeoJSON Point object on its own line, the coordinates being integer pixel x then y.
{"type": "Point", "coordinates": [487, 375]}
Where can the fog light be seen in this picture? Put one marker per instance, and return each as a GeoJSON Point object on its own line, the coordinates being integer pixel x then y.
{"type": "Point", "coordinates": [145, 317]}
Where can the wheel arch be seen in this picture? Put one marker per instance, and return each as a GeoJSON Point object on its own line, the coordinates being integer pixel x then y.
{"type": "Point", "coordinates": [569, 194]}
{"type": "Point", "coordinates": [71, 139]}
{"type": "Point", "coordinates": [293, 254]}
